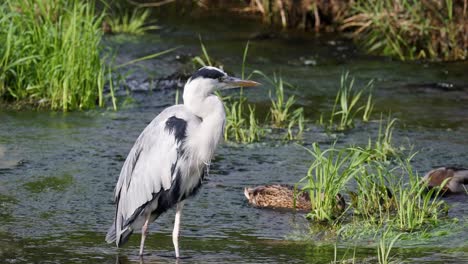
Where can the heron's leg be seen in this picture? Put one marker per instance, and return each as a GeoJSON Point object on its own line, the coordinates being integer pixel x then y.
{"type": "Point", "coordinates": [175, 232]}
{"type": "Point", "coordinates": [144, 232]}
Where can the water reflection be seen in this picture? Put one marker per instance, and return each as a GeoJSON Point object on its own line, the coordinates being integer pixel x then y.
{"type": "Point", "coordinates": [151, 259]}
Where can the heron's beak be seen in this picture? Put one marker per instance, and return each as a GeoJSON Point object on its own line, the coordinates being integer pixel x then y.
{"type": "Point", "coordinates": [233, 82]}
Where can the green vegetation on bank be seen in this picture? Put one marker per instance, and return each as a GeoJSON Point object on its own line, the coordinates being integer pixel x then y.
{"type": "Point", "coordinates": [411, 29]}
{"type": "Point", "coordinates": [50, 54]}
{"type": "Point", "coordinates": [434, 30]}
{"type": "Point", "coordinates": [124, 19]}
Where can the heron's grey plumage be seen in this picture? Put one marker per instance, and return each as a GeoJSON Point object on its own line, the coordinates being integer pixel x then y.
{"type": "Point", "coordinates": [168, 160]}
{"type": "Point", "coordinates": [151, 167]}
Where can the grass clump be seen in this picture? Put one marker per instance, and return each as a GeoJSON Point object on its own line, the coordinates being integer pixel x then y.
{"type": "Point", "coordinates": [242, 123]}
{"type": "Point", "coordinates": [416, 207]}
{"type": "Point", "coordinates": [382, 148]}
{"type": "Point", "coordinates": [373, 200]}
{"type": "Point", "coordinates": [283, 111]}
{"type": "Point", "coordinates": [348, 104]}
{"type": "Point", "coordinates": [50, 54]}
{"type": "Point", "coordinates": [240, 127]}
{"type": "Point", "coordinates": [385, 194]}
{"type": "Point", "coordinates": [411, 29]}
{"type": "Point", "coordinates": [130, 22]}
{"type": "Point", "coordinates": [326, 178]}
{"type": "Point", "coordinates": [385, 247]}
{"type": "Point", "coordinates": [393, 195]}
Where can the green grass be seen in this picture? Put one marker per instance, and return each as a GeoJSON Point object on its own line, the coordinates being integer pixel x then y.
{"type": "Point", "coordinates": [283, 110]}
{"type": "Point", "coordinates": [383, 148]}
{"type": "Point", "coordinates": [385, 247]}
{"type": "Point", "coordinates": [50, 54]}
{"type": "Point", "coordinates": [206, 60]}
{"type": "Point", "coordinates": [410, 29]}
{"type": "Point", "coordinates": [130, 22]}
{"type": "Point", "coordinates": [372, 199]}
{"type": "Point", "coordinates": [385, 194]}
{"type": "Point", "coordinates": [399, 28]}
{"type": "Point", "coordinates": [348, 104]}
{"type": "Point", "coordinates": [240, 127]}
{"type": "Point", "coordinates": [327, 176]}
{"type": "Point", "coordinates": [416, 208]}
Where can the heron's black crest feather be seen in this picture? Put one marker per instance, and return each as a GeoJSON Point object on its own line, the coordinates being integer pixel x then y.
{"type": "Point", "coordinates": [210, 73]}
{"type": "Point", "coordinates": [176, 126]}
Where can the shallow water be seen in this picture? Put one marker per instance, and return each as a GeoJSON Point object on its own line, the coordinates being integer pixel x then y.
{"type": "Point", "coordinates": [58, 171]}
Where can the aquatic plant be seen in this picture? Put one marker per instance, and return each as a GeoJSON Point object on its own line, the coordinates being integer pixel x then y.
{"type": "Point", "coordinates": [347, 105]}
{"type": "Point", "coordinates": [302, 14]}
{"type": "Point", "coordinates": [415, 206]}
{"type": "Point", "coordinates": [50, 54]}
{"type": "Point", "coordinates": [392, 194]}
{"type": "Point", "coordinates": [385, 247]}
{"type": "Point", "coordinates": [404, 29]}
{"type": "Point", "coordinates": [382, 148]}
{"type": "Point", "coordinates": [244, 127]}
{"type": "Point", "coordinates": [373, 200]}
{"type": "Point", "coordinates": [130, 22]}
{"type": "Point", "coordinates": [239, 127]}
{"type": "Point", "coordinates": [327, 176]}
{"type": "Point", "coordinates": [283, 110]}
{"type": "Point", "coordinates": [411, 29]}
{"type": "Point", "coordinates": [205, 59]}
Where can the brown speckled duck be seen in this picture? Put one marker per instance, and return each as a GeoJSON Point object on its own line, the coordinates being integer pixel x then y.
{"type": "Point", "coordinates": [282, 196]}
{"type": "Point", "coordinates": [457, 177]}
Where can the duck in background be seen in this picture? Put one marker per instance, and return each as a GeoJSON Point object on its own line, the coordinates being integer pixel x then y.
{"type": "Point", "coordinates": [283, 196]}
{"type": "Point", "coordinates": [452, 180]}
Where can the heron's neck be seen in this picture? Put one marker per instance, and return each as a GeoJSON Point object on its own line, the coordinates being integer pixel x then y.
{"type": "Point", "coordinates": [211, 111]}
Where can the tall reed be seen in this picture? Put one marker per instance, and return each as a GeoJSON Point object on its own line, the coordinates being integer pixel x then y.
{"type": "Point", "coordinates": [330, 170]}
{"type": "Point", "coordinates": [130, 22]}
{"type": "Point", "coordinates": [348, 103]}
{"type": "Point", "coordinates": [411, 29]}
{"type": "Point", "coordinates": [383, 148]}
{"type": "Point", "coordinates": [50, 53]}
{"type": "Point", "coordinates": [284, 111]}
{"type": "Point", "coordinates": [415, 206]}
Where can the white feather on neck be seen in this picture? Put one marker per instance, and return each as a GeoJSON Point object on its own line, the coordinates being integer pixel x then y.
{"type": "Point", "coordinates": [200, 100]}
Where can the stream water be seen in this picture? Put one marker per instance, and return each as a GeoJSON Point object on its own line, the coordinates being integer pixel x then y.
{"type": "Point", "coordinates": [58, 170]}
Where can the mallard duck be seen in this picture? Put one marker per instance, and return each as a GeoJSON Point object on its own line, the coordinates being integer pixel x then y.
{"type": "Point", "coordinates": [282, 196]}
{"type": "Point", "coordinates": [455, 177]}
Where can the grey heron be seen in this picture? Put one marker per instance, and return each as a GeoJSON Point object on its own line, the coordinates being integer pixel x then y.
{"type": "Point", "coordinates": [169, 159]}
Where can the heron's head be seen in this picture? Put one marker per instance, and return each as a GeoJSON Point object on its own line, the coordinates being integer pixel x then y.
{"type": "Point", "coordinates": [209, 79]}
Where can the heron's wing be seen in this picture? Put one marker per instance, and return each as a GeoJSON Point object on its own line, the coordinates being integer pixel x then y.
{"type": "Point", "coordinates": [150, 165]}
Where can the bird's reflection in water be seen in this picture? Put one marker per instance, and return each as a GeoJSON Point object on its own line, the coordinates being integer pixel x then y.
{"type": "Point", "coordinates": [150, 259]}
